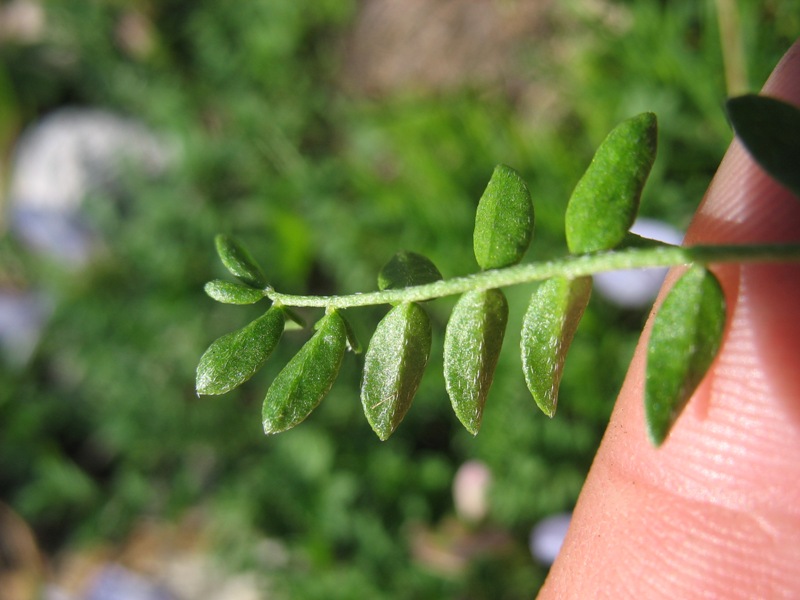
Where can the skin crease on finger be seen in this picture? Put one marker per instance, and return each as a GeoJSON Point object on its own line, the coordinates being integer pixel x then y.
{"type": "Point", "coordinates": [715, 511]}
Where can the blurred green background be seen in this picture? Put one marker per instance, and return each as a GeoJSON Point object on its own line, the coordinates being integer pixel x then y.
{"type": "Point", "coordinates": [328, 134]}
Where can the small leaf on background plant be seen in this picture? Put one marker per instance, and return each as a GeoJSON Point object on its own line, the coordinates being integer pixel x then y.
{"type": "Point", "coordinates": [393, 366]}
{"type": "Point", "coordinates": [605, 201]}
{"type": "Point", "coordinates": [472, 345]}
{"type": "Point", "coordinates": [307, 378]}
{"type": "Point", "coordinates": [503, 221]}
{"type": "Point", "coordinates": [686, 335]}
{"type": "Point", "coordinates": [353, 343]}
{"type": "Point", "coordinates": [770, 130]}
{"type": "Point", "coordinates": [239, 261]}
{"type": "Point", "coordinates": [406, 269]}
{"type": "Point", "coordinates": [553, 315]}
{"type": "Point", "coordinates": [230, 292]}
{"type": "Point", "coordinates": [293, 320]}
{"type": "Point", "coordinates": [234, 358]}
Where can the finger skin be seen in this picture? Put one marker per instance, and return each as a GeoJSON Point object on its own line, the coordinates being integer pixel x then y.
{"type": "Point", "coordinates": [714, 512]}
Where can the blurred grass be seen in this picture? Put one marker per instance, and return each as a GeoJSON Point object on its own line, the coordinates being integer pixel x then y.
{"type": "Point", "coordinates": [324, 183]}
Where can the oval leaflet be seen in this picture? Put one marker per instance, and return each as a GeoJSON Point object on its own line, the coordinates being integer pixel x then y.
{"type": "Point", "coordinates": [472, 343]}
{"type": "Point", "coordinates": [553, 315]}
{"type": "Point", "coordinates": [235, 357]}
{"type": "Point", "coordinates": [406, 269]}
{"type": "Point", "coordinates": [307, 378]}
{"type": "Point", "coordinates": [770, 130]}
{"type": "Point", "coordinates": [393, 366]}
{"type": "Point", "coordinates": [238, 260]}
{"type": "Point", "coordinates": [686, 334]}
{"type": "Point", "coordinates": [229, 292]}
{"type": "Point", "coordinates": [605, 201]}
{"type": "Point", "coordinates": [503, 220]}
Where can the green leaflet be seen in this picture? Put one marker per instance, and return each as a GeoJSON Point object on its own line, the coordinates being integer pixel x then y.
{"type": "Point", "coordinates": [406, 269]}
{"type": "Point", "coordinates": [234, 358]}
{"type": "Point", "coordinates": [239, 261]}
{"type": "Point", "coordinates": [230, 292]}
{"type": "Point", "coordinates": [393, 365]}
{"type": "Point", "coordinates": [503, 221]}
{"type": "Point", "coordinates": [770, 130]}
{"type": "Point", "coordinates": [605, 201]}
{"type": "Point", "coordinates": [472, 345]}
{"type": "Point", "coordinates": [686, 334]}
{"type": "Point", "coordinates": [553, 315]}
{"type": "Point", "coordinates": [307, 378]}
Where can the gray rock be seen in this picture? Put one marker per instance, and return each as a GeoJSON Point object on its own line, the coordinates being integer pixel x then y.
{"type": "Point", "coordinates": [64, 158]}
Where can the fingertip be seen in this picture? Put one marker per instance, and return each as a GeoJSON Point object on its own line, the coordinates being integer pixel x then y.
{"type": "Point", "coordinates": [783, 81]}
{"type": "Point", "coordinates": [714, 510]}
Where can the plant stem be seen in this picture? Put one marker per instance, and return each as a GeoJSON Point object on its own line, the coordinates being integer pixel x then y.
{"type": "Point", "coordinates": [733, 54]}
{"type": "Point", "coordinates": [569, 266]}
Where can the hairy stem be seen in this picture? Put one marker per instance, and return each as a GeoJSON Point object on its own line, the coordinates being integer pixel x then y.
{"type": "Point", "coordinates": [569, 266]}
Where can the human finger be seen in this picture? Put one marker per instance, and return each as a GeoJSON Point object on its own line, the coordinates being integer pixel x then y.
{"type": "Point", "coordinates": [715, 511]}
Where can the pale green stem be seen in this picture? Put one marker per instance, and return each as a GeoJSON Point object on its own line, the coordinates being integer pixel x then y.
{"type": "Point", "coordinates": [733, 54]}
{"type": "Point", "coordinates": [569, 266]}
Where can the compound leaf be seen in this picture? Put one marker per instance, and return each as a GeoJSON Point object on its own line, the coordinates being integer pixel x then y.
{"type": "Point", "coordinates": [307, 378]}
{"type": "Point", "coordinates": [503, 221]}
{"type": "Point", "coordinates": [393, 366]}
{"type": "Point", "coordinates": [239, 261]}
{"type": "Point", "coordinates": [229, 292]}
{"type": "Point", "coordinates": [605, 201]}
{"type": "Point", "coordinates": [235, 357]}
{"type": "Point", "coordinates": [472, 345]}
{"type": "Point", "coordinates": [406, 269]}
{"type": "Point", "coordinates": [686, 334]}
{"type": "Point", "coordinates": [553, 315]}
{"type": "Point", "coordinates": [770, 130]}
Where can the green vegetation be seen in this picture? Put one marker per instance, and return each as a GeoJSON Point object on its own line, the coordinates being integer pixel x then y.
{"type": "Point", "coordinates": [103, 426]}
